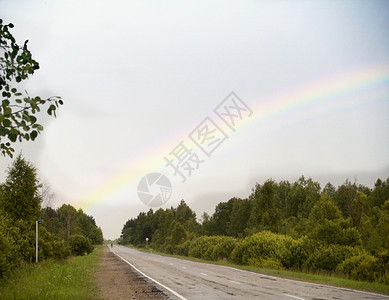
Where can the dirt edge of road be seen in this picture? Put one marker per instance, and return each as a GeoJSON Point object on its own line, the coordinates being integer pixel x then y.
{"type": "Point", "coordinates": [117, 280]}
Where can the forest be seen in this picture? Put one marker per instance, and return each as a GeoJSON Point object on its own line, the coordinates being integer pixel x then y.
{"type": "Point", "coordinates": [284, 225]}
{"type": "Point", "coordinates": [64, 231]}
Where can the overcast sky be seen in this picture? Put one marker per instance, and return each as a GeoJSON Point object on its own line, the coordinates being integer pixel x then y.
{"type": "Point", "coordinates": [140, 78]}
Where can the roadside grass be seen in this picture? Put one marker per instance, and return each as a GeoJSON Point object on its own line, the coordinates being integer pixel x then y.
{"type": "Point", "coordinates": [52, 279]}
{"type": "Point", "coordinates": [327, 279]}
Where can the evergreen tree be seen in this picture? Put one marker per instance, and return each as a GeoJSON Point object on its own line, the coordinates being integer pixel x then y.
{"type": "Point", "coordinates": [19, 197]}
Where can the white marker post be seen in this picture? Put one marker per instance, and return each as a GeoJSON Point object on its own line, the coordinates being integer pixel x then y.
{"type": "Point", "coordinates": [147, 242]}
{"type": "Point", "coordinates": [36, 241]}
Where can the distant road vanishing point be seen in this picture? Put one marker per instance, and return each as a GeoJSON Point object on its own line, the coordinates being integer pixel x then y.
{"type": "Point", "coordinates": [184, 279]}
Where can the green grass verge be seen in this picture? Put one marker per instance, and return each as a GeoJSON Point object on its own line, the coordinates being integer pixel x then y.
{"type": "Point", "coordinates": [50, 279]}
{"type": "Point", "coordinates": [334, 280]}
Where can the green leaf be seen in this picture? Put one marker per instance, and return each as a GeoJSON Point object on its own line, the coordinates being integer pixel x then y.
{"type": "Point", "coordinates": [13, 137]}
{"type": "Point", "coordinates": [7, 111]}
{"type": "Point", "coordinates": [3, 131]}
{"type": "Point", "coordinates": [32, 119]}
{"type": "Point", "coordinates": [26, 116]}
{"type": "Point", "coordinates": [51, 109]}
{"type": "Point", "coordinates": [33, 134]}
{"type": "Point", "coordinates": [37, 127]}
{"type": "Point", "coordinates": [6, 123]}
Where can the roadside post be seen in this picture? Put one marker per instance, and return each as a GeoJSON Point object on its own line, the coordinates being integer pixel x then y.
{"type": "Point", "coordinates": [36, 241]}
{"type": "Point", "coordinates": [147, 242]}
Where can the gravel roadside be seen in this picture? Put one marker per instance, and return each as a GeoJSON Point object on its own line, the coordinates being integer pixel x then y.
{"type": "Point", "coordinates": [117, 280]}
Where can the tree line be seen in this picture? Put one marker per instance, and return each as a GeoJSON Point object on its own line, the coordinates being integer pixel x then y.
{"type": "Point", "coordinates": [64, 231]}
{"type": "Point", "coordinates": [297, 225]}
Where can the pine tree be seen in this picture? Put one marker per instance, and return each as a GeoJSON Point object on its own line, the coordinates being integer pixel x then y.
{"type": "Point", "coordinates": [19, 197]}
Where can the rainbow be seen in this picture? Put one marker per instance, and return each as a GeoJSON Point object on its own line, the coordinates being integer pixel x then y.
{"type": "Point", "coordinates": [317, 94]}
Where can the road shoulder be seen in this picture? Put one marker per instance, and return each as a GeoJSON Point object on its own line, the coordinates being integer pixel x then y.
{"type": "Point", "coordinates": [117, 280]}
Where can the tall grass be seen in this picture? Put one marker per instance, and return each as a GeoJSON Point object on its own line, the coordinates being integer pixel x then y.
{"type": "Point", "coordinates": [50, 279]}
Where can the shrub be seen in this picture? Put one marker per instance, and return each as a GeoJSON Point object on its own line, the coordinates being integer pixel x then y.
{"type": "Point", "coordinates": [223, 247]}
{"type": "Point", "coordinates": [211, 247]}
{"type": "Point", "coordinates": [351, 237]}
{"type": "Point", "coordinates": [384, 278]}
{"type": "Point", "coordinates": [183, 248]}
{"type": "Point", "coordinates": [328, 231]}
{"type": "Point", "coordinates": [79, 244]}
{"type": "Point", "coordinates": [255, 249]}
{"type": "Point", "coordinates": [366, 270]}
{"type": "Point", "coordinates": [297, 253]}
{"type": "Point", "coordinates": [10, 237]}
{"type": "Point", "coordinates": [202, 247]}
{"type": "Point", "coordinates": [270, 263]}
{"type": "Point", "coordinates": [328, 257]}
{"type": "Point", "coordinates": [50, 247]}
{"type": "Point", "coordinates": [383, 260]}
{"type": "Point", "coordinates": [365, 266]}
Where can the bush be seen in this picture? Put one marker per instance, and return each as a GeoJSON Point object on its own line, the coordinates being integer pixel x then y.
{"type": "Point", "coordinates": [183, 248]}
{"type": "Point", "coordinates": [328, 231]}
{"type": "Point", "coordinates": [79, 244]}
{"type": "Point", "coordinates": [50, 247]}
{"type": "Point", "coordinates": [365, 266]}
{"type": "Point", "coordinates": [10, 237]}
{"type": "Point", "coordinates": [328, 257]}
{"type": "Point", "coordinates": [297, 253]}
{"type": "Point", "coordinates": [256, 249]}
{"type": "Point", "coordinates": [223, 247]}
{"type": "Point", "coordinates": [270, 263]}
{"type": "Point", "coordinates": [384, 278]}
{"type": "Point", "coordinates": [202, 247]}
{"type": "Point", "coordinates": [211, 247]}
{"type": "Point", "coordinates": [366, 270]}
{"type": "Point", "coordinates": [383, 260]}
{"type": "Point", "coordinates": [351, 237]}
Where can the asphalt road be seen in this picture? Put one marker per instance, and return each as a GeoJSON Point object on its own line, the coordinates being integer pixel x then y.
{"type": "Point", "coordinates": [184, 279]}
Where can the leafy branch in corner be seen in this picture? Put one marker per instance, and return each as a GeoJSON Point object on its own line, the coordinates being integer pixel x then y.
{"type": "Point", "coordinates": [18, 111]}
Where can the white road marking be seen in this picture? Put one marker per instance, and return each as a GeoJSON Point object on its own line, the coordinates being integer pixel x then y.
{"type": "Point", "coordinates": [152, 279]}
{"type": "Point", "coordinates": [295, 297]}
{"type": "Point", "coordinates": [316, 284]}
{"type": "Point", "coordinates": [203, 274]}
{"type": "Point", "coordinates": [234, 282]}
{"type": "Point", "coordinates": [255, 273]}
